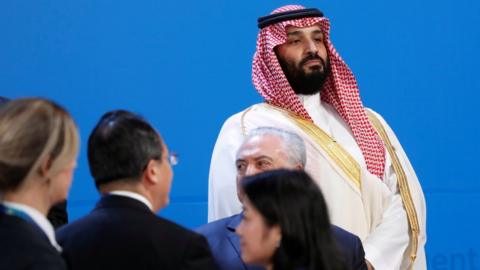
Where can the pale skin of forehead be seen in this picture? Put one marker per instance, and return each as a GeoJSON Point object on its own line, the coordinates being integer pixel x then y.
{"type": "Point", "coordinates": [258, 144]}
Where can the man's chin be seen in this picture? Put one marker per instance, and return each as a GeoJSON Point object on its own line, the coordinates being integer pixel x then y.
{"type": "Point", "coordinates": [313, 70]}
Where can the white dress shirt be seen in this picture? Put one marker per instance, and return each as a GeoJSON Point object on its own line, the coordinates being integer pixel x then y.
{"type": "Point", "coordinates": [134, 196]}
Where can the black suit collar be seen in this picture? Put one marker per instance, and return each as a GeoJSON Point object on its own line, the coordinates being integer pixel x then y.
{"type": "Point", "coordinates": [117, 201]}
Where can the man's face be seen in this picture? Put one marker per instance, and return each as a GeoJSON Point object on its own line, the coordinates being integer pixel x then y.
{"type": "Point", "coordinates": [304, 59]}
{"type": "Point", "coordinates": [164, 177]}
{"type": "Point", "coordinates": [259, 154]}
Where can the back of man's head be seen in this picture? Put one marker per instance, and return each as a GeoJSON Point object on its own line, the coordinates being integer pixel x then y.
{"type": "Point", "coordinates": [120, 147]}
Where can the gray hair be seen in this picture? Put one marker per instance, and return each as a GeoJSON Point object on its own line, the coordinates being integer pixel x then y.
{"type": "Point", "coordinates": [292, 143]}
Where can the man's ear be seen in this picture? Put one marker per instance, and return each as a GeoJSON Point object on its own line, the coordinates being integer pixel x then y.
{"type": "Point", "coordinates": [151, 172]}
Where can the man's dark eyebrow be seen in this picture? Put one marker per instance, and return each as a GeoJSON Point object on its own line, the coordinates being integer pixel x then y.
{"type": "Point", "coordinates": [239, 160]}
{"type": "Point", "coordinates": [293, 33]}
{"type": "Point", "coordinates": [298, 32]}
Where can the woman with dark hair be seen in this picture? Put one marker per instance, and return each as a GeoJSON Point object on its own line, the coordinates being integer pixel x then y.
{"type": "Point", "coordinates": [285, 224]}
{"type": "Point", "coordinates": [39, 144]}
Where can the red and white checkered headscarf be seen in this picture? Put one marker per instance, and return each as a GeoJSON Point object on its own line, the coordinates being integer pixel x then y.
{"type": "Point", "coordinates": [340, 88]}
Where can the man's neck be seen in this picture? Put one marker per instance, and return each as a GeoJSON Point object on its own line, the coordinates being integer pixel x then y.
{"type": "Point", "coordinates": [129, 186]}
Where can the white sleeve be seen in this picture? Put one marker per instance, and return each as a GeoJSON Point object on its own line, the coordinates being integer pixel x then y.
{"type": "Point", "coordinates": [222, 187]}
{"type": "Point", "coordinates": [415, 191]}
{"type": "Point", "coordinates": [386, 245]}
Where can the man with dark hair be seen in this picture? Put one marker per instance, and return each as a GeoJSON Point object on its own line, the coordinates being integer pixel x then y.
{"type": "Point", "coordinates": [354, 156]}
{"type": "Point", "coordinates": [132, 170]}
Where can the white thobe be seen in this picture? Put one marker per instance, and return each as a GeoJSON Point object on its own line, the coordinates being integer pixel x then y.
{"type": "Point", "coordinates": [385, 232]}
{"type": "Point", "coordinates": [391, 236]}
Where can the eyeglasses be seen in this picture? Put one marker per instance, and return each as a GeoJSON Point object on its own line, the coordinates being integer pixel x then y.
{"type": "Point", "coordinates": [173, 158]}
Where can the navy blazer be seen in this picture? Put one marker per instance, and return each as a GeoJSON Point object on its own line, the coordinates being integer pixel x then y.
{"type": "Point", "coordinates": [122, 233]}
{"type": "Point", "coordinates": [57, 215]}
{"type": "Point", "coordinates": [225, 245]}
{"type": "Point", "coordinates": [25, 246]}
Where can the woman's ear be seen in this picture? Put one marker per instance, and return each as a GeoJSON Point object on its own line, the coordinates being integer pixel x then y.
{"type": "Point", "coordinates": [45, 166]}
{"type": "Point", "coordinates": [276, 233]}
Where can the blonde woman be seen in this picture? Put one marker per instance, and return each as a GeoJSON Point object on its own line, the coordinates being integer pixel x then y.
{"type": "Point", "coordinates": [57, 215]}
{"type": "Point", "coordinates": [39, 143]}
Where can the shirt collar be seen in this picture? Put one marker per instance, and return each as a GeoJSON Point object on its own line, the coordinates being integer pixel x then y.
{"type": "Point", "coordinates": [133, 195]}
{"type": "Point", "coordinates": [318, 110]}
{"type": "Point", "coordinates": [310, 102]}
{"type": "Point", "coordinates": [39, 219]}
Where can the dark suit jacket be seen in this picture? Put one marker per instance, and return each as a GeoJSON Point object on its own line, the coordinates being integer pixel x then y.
{"type": "Point", "coordinates": [23, 245]}
{"type": "Point", "coordinates": [225, 245]}
{"type": "Point", "coordinates": [122, 233]}
{"type": "Point", "coordinates": [58, 215]}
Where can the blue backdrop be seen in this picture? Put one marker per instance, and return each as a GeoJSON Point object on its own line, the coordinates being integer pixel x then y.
{"type": "Point", "coordinates": [185, 66]}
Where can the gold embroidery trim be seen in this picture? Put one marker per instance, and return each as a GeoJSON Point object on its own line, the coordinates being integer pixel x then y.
{"type": "Point", "coordinates": [402, 185]}
{"type": "Point", "coordinates": [335, 151]}
{"type": "Point", "coordinates": [242, 121]}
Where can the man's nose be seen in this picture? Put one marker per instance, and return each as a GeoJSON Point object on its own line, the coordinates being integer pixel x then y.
{"type": "Point", "coordinates": [251, 170]}
{"type": "Point", "coordinates": [311, 47]}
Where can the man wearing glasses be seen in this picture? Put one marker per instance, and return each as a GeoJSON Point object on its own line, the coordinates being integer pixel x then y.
{"type": "Point", "coordinates": [132, 169]}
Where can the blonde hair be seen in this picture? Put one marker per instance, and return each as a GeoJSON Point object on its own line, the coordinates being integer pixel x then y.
{"type": "Point", "coordinates": [33, 130]}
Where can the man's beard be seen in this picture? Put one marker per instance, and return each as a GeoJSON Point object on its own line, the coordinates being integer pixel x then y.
{"type": "Point", "coordinates": [302, 83]}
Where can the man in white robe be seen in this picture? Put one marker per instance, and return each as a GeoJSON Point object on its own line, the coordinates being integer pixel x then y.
{"type": "Point", "coordinates": [354, 156]}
